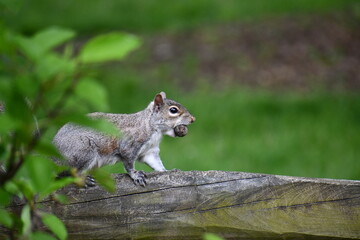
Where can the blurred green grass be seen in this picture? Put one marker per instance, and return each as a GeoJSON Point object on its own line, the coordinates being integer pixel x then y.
{"type": "Point", "coordinates": [313, 134]}
{"type": "Point", "coordinates": [149, 16]}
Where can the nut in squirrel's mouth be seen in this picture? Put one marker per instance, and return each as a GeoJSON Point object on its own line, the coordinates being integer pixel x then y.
{"type": "Point", "coordinates": [180, 130]}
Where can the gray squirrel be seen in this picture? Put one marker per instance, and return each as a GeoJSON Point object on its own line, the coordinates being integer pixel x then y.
{"type": "Point", "coordinates": [141, 133]}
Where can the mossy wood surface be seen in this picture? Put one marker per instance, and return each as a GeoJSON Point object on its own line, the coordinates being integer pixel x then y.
{"type": "Point", "coordinates": [234, 205]}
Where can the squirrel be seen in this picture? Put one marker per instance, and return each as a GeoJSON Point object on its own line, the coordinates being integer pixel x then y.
{"type": "Point", "coordinates": [141, 133]}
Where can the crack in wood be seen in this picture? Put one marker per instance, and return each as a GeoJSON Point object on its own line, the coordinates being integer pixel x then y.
{"type": "Point", "coordinates": [312, 203]}
{"type": "Point", "coordinates": [157, 190]}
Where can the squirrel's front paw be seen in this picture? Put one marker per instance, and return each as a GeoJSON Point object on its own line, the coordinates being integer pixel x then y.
{"type": "Point", "coordinates": [139, 178]}
{"type": "Point", "coordinates": [175, 170]}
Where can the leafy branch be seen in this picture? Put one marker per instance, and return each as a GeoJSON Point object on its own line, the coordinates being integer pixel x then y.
{"type": "Point", "coordinates": [41, 88]}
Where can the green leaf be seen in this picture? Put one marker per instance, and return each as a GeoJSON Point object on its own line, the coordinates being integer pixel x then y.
{"type": "Point", "coordinates": [93, 92]}
{"type": "Point", "coordinates": [41, 172]}
{"type": "Point", "coordinates": [52, 37]}
{"type": "Point", "coordinates": [5, 218]}
{"type": "Point", "coordinates": [5, 87]}
{"type": "Point", "coordinates": [8, 47]}
{"type": "Point", "coordinates": [104, 126]}
{"type": "Point", "coordinates": [100, 125]}
{"type": "Point", "coordinates": [5, 197]}
{"type": "Point", "coordinates": [58, 184]}
{"type": "Point", "coordinates": [104, 178]}
{"type": "Point", "coordinates": [26, 220]}
{"type": "Point", "coordinates": [211, 236]}
{"type": "Point", "coordinates": [75, 103]}
{"type": "Point", "coordinates": [30, 48]}
{"type": "Point", "coordinates": [68, 51]}
{"type": "Point", "coordinates": [61, 198]}
{"type": "Point", "coordinates": [27, 85]}
{"type": "Point", "coordinates": [41, 236]}
{"type": "Point", "coordinates": [4, 150]}
{"type": "Point", "coordinates": [107, 47]}
{"type": "Point", "coordinates": [55, 225]}
{"type": "Point", "coordinates": [11, 187]}
{"type": "Point", "coordinates": [43, 41]}
{"type": "Point", "coordinates": [24, 187]}
{"type": "Point", "coordinates": [7, 123]}
{"type": "Point", "coordinates": [17, 107]}
{"type": "Point", "coordinates": [51, 64]}
{"type": "Point", "coordinates": [71, 116]}
{"type": "Point", "coordinates": [45, 147]}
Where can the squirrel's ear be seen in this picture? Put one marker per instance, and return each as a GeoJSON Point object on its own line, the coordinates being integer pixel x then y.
{"type": "Point", "coordinates": [158, 101]}
{"type": "Point", "coordinates": [163, 94]}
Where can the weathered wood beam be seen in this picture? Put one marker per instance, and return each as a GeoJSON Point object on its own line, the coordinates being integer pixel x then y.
{"type": "Point", "coordinates": [235, 205]}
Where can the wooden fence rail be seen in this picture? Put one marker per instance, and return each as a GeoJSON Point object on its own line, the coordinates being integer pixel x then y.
{"type": "Point", "coordinates": [234, 205]}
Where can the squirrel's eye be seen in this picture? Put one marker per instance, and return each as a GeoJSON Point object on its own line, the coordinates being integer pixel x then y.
{"type": "Point", "coordinates": [173, 110]}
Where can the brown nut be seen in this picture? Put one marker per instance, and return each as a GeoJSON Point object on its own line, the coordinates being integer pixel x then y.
{"type": "Point", "coordinates": [180, 130]}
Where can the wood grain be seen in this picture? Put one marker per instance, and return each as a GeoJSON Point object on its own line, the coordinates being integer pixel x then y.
{"type": "Point", "coordinates": [234, 205]}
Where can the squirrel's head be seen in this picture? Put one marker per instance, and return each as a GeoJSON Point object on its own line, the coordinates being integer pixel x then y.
{"type": "Point", "coordinates": [168, 114]}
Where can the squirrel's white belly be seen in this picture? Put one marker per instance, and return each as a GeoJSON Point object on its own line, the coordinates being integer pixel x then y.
{"type": "Point", "coordinates": [149, 153]}
{"type": "Point", "coordinates": [151, 145]}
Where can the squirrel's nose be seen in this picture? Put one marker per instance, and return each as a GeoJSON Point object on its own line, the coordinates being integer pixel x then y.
{"type": "Point", "coordinates": [192, 119]}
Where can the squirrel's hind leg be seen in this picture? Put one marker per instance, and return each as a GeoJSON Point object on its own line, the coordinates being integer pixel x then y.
{"type": "Point", "coordinates": [89, 181]}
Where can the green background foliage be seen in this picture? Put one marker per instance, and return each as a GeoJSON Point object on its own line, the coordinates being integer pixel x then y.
{"type": "Point", "coordinates": [155, 16]}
